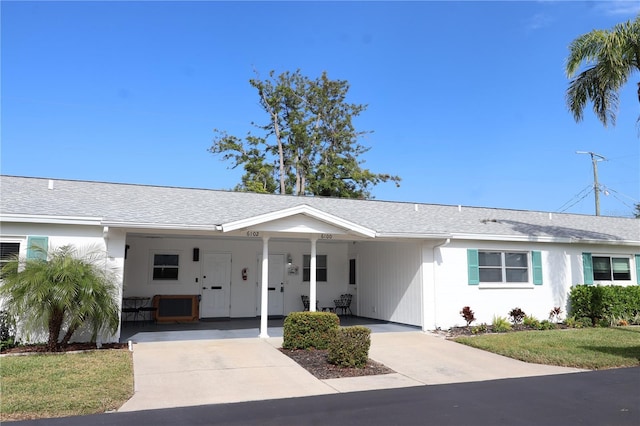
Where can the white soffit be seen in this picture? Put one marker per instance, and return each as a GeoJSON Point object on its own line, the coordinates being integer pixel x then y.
{"type": "Point", "coordinates": [298, 219]}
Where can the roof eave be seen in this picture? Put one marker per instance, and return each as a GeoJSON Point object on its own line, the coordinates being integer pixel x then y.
{"type": "Point", "coordinates": [167, 226]}
{"type": "Point", "coordinates": [542, 239]}
{"type": "Point", "coordinates": [413, 235]}
{"type": "Point", "coordinates": [50, 219]}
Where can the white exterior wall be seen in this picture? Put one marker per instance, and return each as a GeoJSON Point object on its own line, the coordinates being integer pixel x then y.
{"type": "Point", "coordinates": [79, 236]}
{"type": "Point", "coordinates": [423, 283]}
{"type": "Point", "coordinates": [244, 295]}
{"type": "Point", "coordinates": [561, 268]}
{"type": "Point", "coordinates": [390, 281]}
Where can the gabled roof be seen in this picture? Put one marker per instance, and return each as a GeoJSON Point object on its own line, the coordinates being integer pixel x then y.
{"type": "Point", "coordinates": [143, 206]}
{"type": "Point", "coordinates": [341, 225]}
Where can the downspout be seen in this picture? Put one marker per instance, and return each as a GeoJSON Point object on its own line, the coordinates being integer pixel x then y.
{"type": "Point", "coordinates": [437, 246]}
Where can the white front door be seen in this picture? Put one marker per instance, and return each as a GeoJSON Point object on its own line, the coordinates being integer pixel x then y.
{"type": "Point", "coordinates": [216, 285]}
{"type": "Point", "coordinates": [276, 283]}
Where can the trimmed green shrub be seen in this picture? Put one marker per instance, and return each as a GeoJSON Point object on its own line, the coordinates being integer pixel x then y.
{"type": "Point", "coordinates": [305, 330]}
{"type": "Point", "coordinates": [500, 324]}
{"type": "Point", "coordinates": [349, 347]}
{"type": "Point", "coordinates": [604, 302]}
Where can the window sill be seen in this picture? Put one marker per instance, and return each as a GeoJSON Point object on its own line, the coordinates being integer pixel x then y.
{"type": "Point", "coordinates": [506, 286]}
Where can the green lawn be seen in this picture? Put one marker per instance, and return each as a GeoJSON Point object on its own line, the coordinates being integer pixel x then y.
{"type": "Point", "coordinates": [589, 348]}
{"type": "Point", "coordinates": [59, 385]}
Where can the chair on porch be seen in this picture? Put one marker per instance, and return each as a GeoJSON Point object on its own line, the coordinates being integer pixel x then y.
{"type": "Point", "coordinates": [127, 313]}
{"type": "Point", "coordinates": [343, 305]}
{"type": "Point", "coordinates": [305, 302]}
{"type": "Point", "coordinates": [152, 312]}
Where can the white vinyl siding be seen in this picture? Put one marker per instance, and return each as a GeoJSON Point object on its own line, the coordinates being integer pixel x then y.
{"type": "Point", "coordinates": [390, 281]}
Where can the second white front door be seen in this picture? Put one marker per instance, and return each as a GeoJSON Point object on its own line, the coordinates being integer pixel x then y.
{"type": "Point", "coordinates": [275, 285]}
{"type": "Point", "coordinates": [216, 285]}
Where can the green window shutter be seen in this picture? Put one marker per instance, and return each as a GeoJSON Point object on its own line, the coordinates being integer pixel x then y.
{"type": "Point", "coordinates": [37, 247]}
{"type": "Point", "coordinates": [473, 267]}
{"type": "Point", "coordinates": [587, 267]}
{"type": "Point", "coordinates": [638, 268]}
{"type": "Point", "coordinates": [536, 261]}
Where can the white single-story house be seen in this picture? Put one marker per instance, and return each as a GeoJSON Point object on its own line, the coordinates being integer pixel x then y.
{"type": "Point", "coordinates": [235, 254]}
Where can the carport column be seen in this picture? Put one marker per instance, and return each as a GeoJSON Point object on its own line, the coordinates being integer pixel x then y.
{"type": "Point", "coordinates": [312, 276]}
{"type": "Point", "coordinates": [264, 289]}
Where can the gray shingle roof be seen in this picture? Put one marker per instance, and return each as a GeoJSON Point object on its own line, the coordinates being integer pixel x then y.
{"type": "Point", "coordinates": [192, 207]}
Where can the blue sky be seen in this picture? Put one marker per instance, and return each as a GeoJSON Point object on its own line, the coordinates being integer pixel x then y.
{"type": "Point", "coordinates": [466, 99]}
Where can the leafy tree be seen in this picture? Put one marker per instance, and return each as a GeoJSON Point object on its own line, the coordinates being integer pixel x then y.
{"type": "Point", "coordinates": [309, 145]}
{"type": "Point", "coordinates": [609, 58]}
{"type": "Point", "coordinates": [61, 293]}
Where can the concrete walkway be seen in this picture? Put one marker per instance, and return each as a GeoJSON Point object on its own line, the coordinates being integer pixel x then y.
{"type": "Point", "coordinates": [198, 372]}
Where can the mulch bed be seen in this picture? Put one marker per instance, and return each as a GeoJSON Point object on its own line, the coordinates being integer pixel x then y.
{"type": "Point", "coordinates": [454, 332]}
{"type": "Point", "coordinates": [71, 347]}
{"type": "Point", "coordinates": [315, 362]}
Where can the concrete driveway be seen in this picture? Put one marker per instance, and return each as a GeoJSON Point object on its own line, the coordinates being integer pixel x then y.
{"type": "Point", "coordinates": [198, 372]}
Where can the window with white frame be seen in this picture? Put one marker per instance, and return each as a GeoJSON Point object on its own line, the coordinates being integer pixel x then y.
{"type": "Point", "coordinates": [166, 266]}
{"type": "Point", "coordinates": [8, 251]}
{"type": "Point", "coordinates": [610, 268]}
{"type": "Point", "coordinates": [507, 267]}
{"type": "Point", "coordinates": [321, 267]}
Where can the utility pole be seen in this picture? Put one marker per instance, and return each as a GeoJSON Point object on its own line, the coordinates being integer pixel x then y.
{"type": "Point", "coordinates": [596, 185]}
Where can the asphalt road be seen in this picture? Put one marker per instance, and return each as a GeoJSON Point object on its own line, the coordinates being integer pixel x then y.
{"type": "Point", "coordinates": [608, 397]}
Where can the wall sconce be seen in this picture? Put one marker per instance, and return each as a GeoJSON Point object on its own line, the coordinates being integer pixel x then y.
{"type": "Point", "coordinates": [291, 268]}
{"type": "Point", "coordinates": [196, 254]}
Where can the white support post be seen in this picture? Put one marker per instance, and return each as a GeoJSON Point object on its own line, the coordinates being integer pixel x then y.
{"type": "Point", "coordinates": [312, 276]}
{"type": "Point", "coordinates": [264, 289]}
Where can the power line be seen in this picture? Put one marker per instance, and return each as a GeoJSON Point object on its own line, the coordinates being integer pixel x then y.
{"type": "Point", "coordinates": [588, 189]}
{"type": "Point", "coordinates": [608, 190]}
{"type": "Point", "coordinates": [580, 194]}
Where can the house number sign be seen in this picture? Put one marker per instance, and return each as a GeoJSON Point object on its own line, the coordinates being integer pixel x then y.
{"type": "Point", "coordinates": [253, 233]}
{"type": "Point", "coordinates": [326, 236]}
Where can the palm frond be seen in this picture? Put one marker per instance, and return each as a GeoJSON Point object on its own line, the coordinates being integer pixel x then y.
{"type": "Point", "coordinates": [600, 63]}
{"type": "Point", "coordinates": [589, 86]}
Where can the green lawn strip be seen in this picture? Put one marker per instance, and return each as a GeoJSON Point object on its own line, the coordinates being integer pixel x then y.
{"type": "Point", "coordinates": [588, 348]}
{"type": "Point", "coordinates": [59, 385]}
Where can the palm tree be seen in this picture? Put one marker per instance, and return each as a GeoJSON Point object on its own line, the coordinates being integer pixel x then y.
{"type": "Point", "coordinates": [61, 294]}
{"type": "Point", "coordinates": [610, 57]}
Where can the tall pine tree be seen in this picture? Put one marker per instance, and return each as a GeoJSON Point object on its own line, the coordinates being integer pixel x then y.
{"type": "Point", "coordinates": [308, 146]}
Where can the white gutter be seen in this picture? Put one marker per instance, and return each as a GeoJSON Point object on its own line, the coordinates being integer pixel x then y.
{"type": "Point", "coordinates": [169, 226]}
{"type": "Point", "coordinates": [65, 220]}
{"type": "Point", "coordinates": [542, 239]}
{"type": "Point", "coordinates": [413, 235]}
